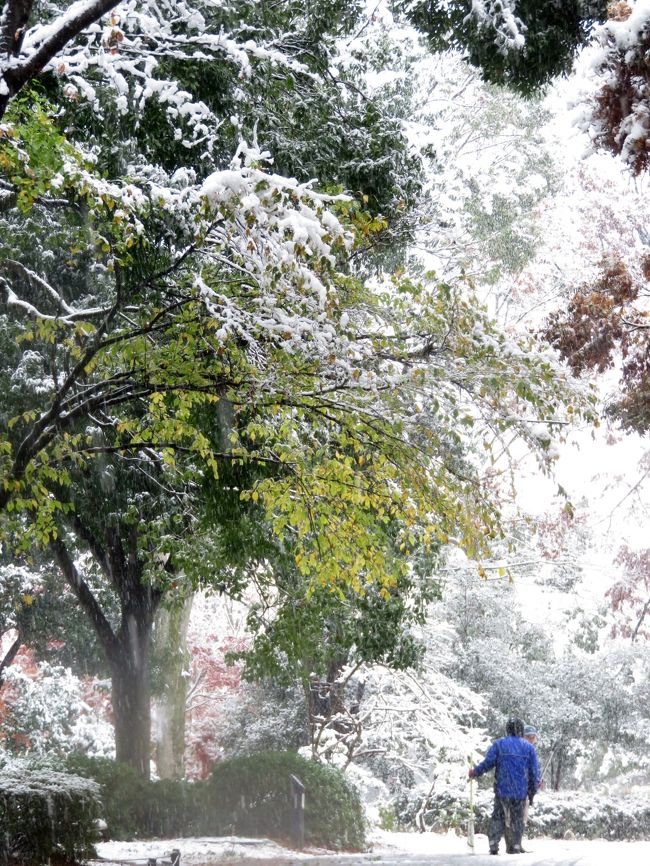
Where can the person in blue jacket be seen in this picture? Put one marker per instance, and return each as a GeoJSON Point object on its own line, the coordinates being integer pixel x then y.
{"type": "Point", "coordinates": [516, 779]}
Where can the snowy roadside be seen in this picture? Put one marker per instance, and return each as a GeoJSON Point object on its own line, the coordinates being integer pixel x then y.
{"type": "Point", "coordinates": [200, 850]}
{"type": "Point", "coordinates": [387, 848]}
{"type": "Point", "coordinates": [451, 850]}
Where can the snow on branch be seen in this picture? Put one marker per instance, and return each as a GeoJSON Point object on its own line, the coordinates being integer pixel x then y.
{"type": "Point", "coordinates": [499, 15]}
{"type": "Point", "coordinates": [64, 313]}
{"type": "Point", "coordinates": [125, 52]}
{"type": "Point", "coordinates": [44, 43]}
{"type": "Point", "coordinates": [618, 116]}
{"type": "Point", "coordinates": [295, 231]}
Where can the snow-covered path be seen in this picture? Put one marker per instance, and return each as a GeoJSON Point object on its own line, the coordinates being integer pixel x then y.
{"type": "Point", "coordinates": [389, 849]}
{"type": "Point", "coordinates": [435, 850]}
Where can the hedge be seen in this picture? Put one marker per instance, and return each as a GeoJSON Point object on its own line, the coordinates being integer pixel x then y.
{"type": "Point", "coordinates": [133, 807]}
{"type": "Point", "coordinates": [46, 815]}
{"type": "Point", "coordinates": [136, 808]}
{"type": "Point", "coordinates": [252, 796]}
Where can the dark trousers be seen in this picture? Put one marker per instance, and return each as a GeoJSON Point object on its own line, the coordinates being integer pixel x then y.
{"type": "Point", "coordinates": [507, 820]}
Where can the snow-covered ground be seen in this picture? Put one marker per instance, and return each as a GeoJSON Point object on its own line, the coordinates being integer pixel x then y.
{"type": "Point", "coordinates": [202, 850]}
{"type": "Point", "coordinates": [450, 850]}
{"type": "Point", "coordinates": [388, 848]}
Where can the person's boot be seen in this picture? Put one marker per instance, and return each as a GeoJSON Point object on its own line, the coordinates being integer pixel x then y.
{"type": "Point", "coordinates": [494, 849]}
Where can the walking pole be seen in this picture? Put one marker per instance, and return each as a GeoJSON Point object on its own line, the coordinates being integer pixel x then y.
{"type": "Point", "coordinates": [470, 819]}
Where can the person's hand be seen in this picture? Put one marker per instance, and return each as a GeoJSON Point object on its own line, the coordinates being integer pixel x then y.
{"type": "Point", "coordinates": [541, 785]}
{"type": "Point", "coordinates": [470, 773]}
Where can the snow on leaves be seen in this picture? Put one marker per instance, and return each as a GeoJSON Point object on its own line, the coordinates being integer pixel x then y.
{"type": "Point", "coordinates": [283, 237]}
{"type": "Point", "coordinates": [620, 114]}
{"type": "Point", "coordinates": [604, 323]}
{"type": "Point", "coordinates": [372, 406]}
{"type": "Point", "coordinates": [630, 596]}
{"type": "Point", "coordinates": [500, 16]}
{"type": "Point", "coordinates": [45, 708]}
{"type": "Point", "coordinates": [27, 51]}
{"type": "Point", "coordinates": [293, 342]}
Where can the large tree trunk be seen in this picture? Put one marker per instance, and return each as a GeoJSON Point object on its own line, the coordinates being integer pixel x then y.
{"type": "Point", "coordinates": [128, 649]}
{"type": "Point", "coordinates": [170, 652]}
{"type": "Point", "coordinates": [130, 669]}
{"type": "Point", "coordinates": [132, 714]}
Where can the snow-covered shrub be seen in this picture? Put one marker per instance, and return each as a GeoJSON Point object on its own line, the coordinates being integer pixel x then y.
{"type": "Point", "coordinates": [252, 796]}
{"type": "Point", "coordinates": [584, 815]}
{"type": "Point", "coordinates": [46, 709]}
{"type": "Point", "coordinates": [45, 814]}
{"type": "Point", "coordinates": [445, 808]}
{"type": "Point", "coordinates": [263, 717]}
{"type": "Point", "coordinates": [590, 816]}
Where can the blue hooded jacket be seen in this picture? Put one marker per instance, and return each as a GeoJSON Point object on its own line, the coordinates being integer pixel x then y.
{"type": "Point", "coordinates": [517, 768]}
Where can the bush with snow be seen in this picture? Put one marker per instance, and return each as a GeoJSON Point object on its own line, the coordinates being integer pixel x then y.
{"type": "Point", "coordinates": [581, 814]}
{"type": "Point", "coordinates": [46, 709]}
{"type": "Point", "coordinates": [45, 814]}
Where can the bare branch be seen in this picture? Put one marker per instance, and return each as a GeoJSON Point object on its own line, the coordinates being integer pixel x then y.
{"type": "Point", "coordinates": [646, 608]}
{"type": "Point", "coordinates": [10, 655]}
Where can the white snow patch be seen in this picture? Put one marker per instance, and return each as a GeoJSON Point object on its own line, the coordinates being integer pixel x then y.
{"type": "Point", "coordinates": [448, 850]}
{"type": "Point", "coordinates": [201, 850]}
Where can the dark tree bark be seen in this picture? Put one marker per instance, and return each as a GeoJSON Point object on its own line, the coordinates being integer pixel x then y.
{"type": "Point", "coordinates": [13, 23]}
{"type": "Point", "coordinates": [131, 695]}
{"type": "Point", "coordinates": [557, 766]}
{"type": "Point", "coordinates": [326, 696]}
{"type": "Point", "coordinates": [127, 648]}
{"type": "Point", "coordinates": [23, 68]}
{"type": "Point", "coordinates": [9, 656]}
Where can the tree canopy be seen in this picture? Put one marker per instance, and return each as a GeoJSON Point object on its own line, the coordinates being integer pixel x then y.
{"type": "Point", "coordinates": [519, 43]}
{"type": "Point", "coordinates": [180, 312]}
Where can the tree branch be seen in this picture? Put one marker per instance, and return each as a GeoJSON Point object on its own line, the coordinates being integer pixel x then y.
{"type": "Point", "coordinates": [10, 655]}
{"type": "Point", "coordinates": [646, 608]}
{"type": "Point", "coordinates": [62, 31]}
{"type": "Point", "coordinates": [85, 597]}
{"type": "Point", "coordinates": [13, 23]}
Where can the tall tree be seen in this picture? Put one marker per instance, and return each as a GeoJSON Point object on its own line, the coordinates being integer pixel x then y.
{"type": "Point", "coordinates": [525, 44]}
{"type": "Point", "coordinates": [181, 319]}
{"type": "Point", "coordinates": [116, 542]}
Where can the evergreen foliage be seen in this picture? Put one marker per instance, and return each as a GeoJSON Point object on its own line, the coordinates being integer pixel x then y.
{"type": "Point", "coordinates": [519, 43]}
{"type": "Point", "coordinates": [252, 796]}
{"type": "Point", "coordinates": [134, 807]}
